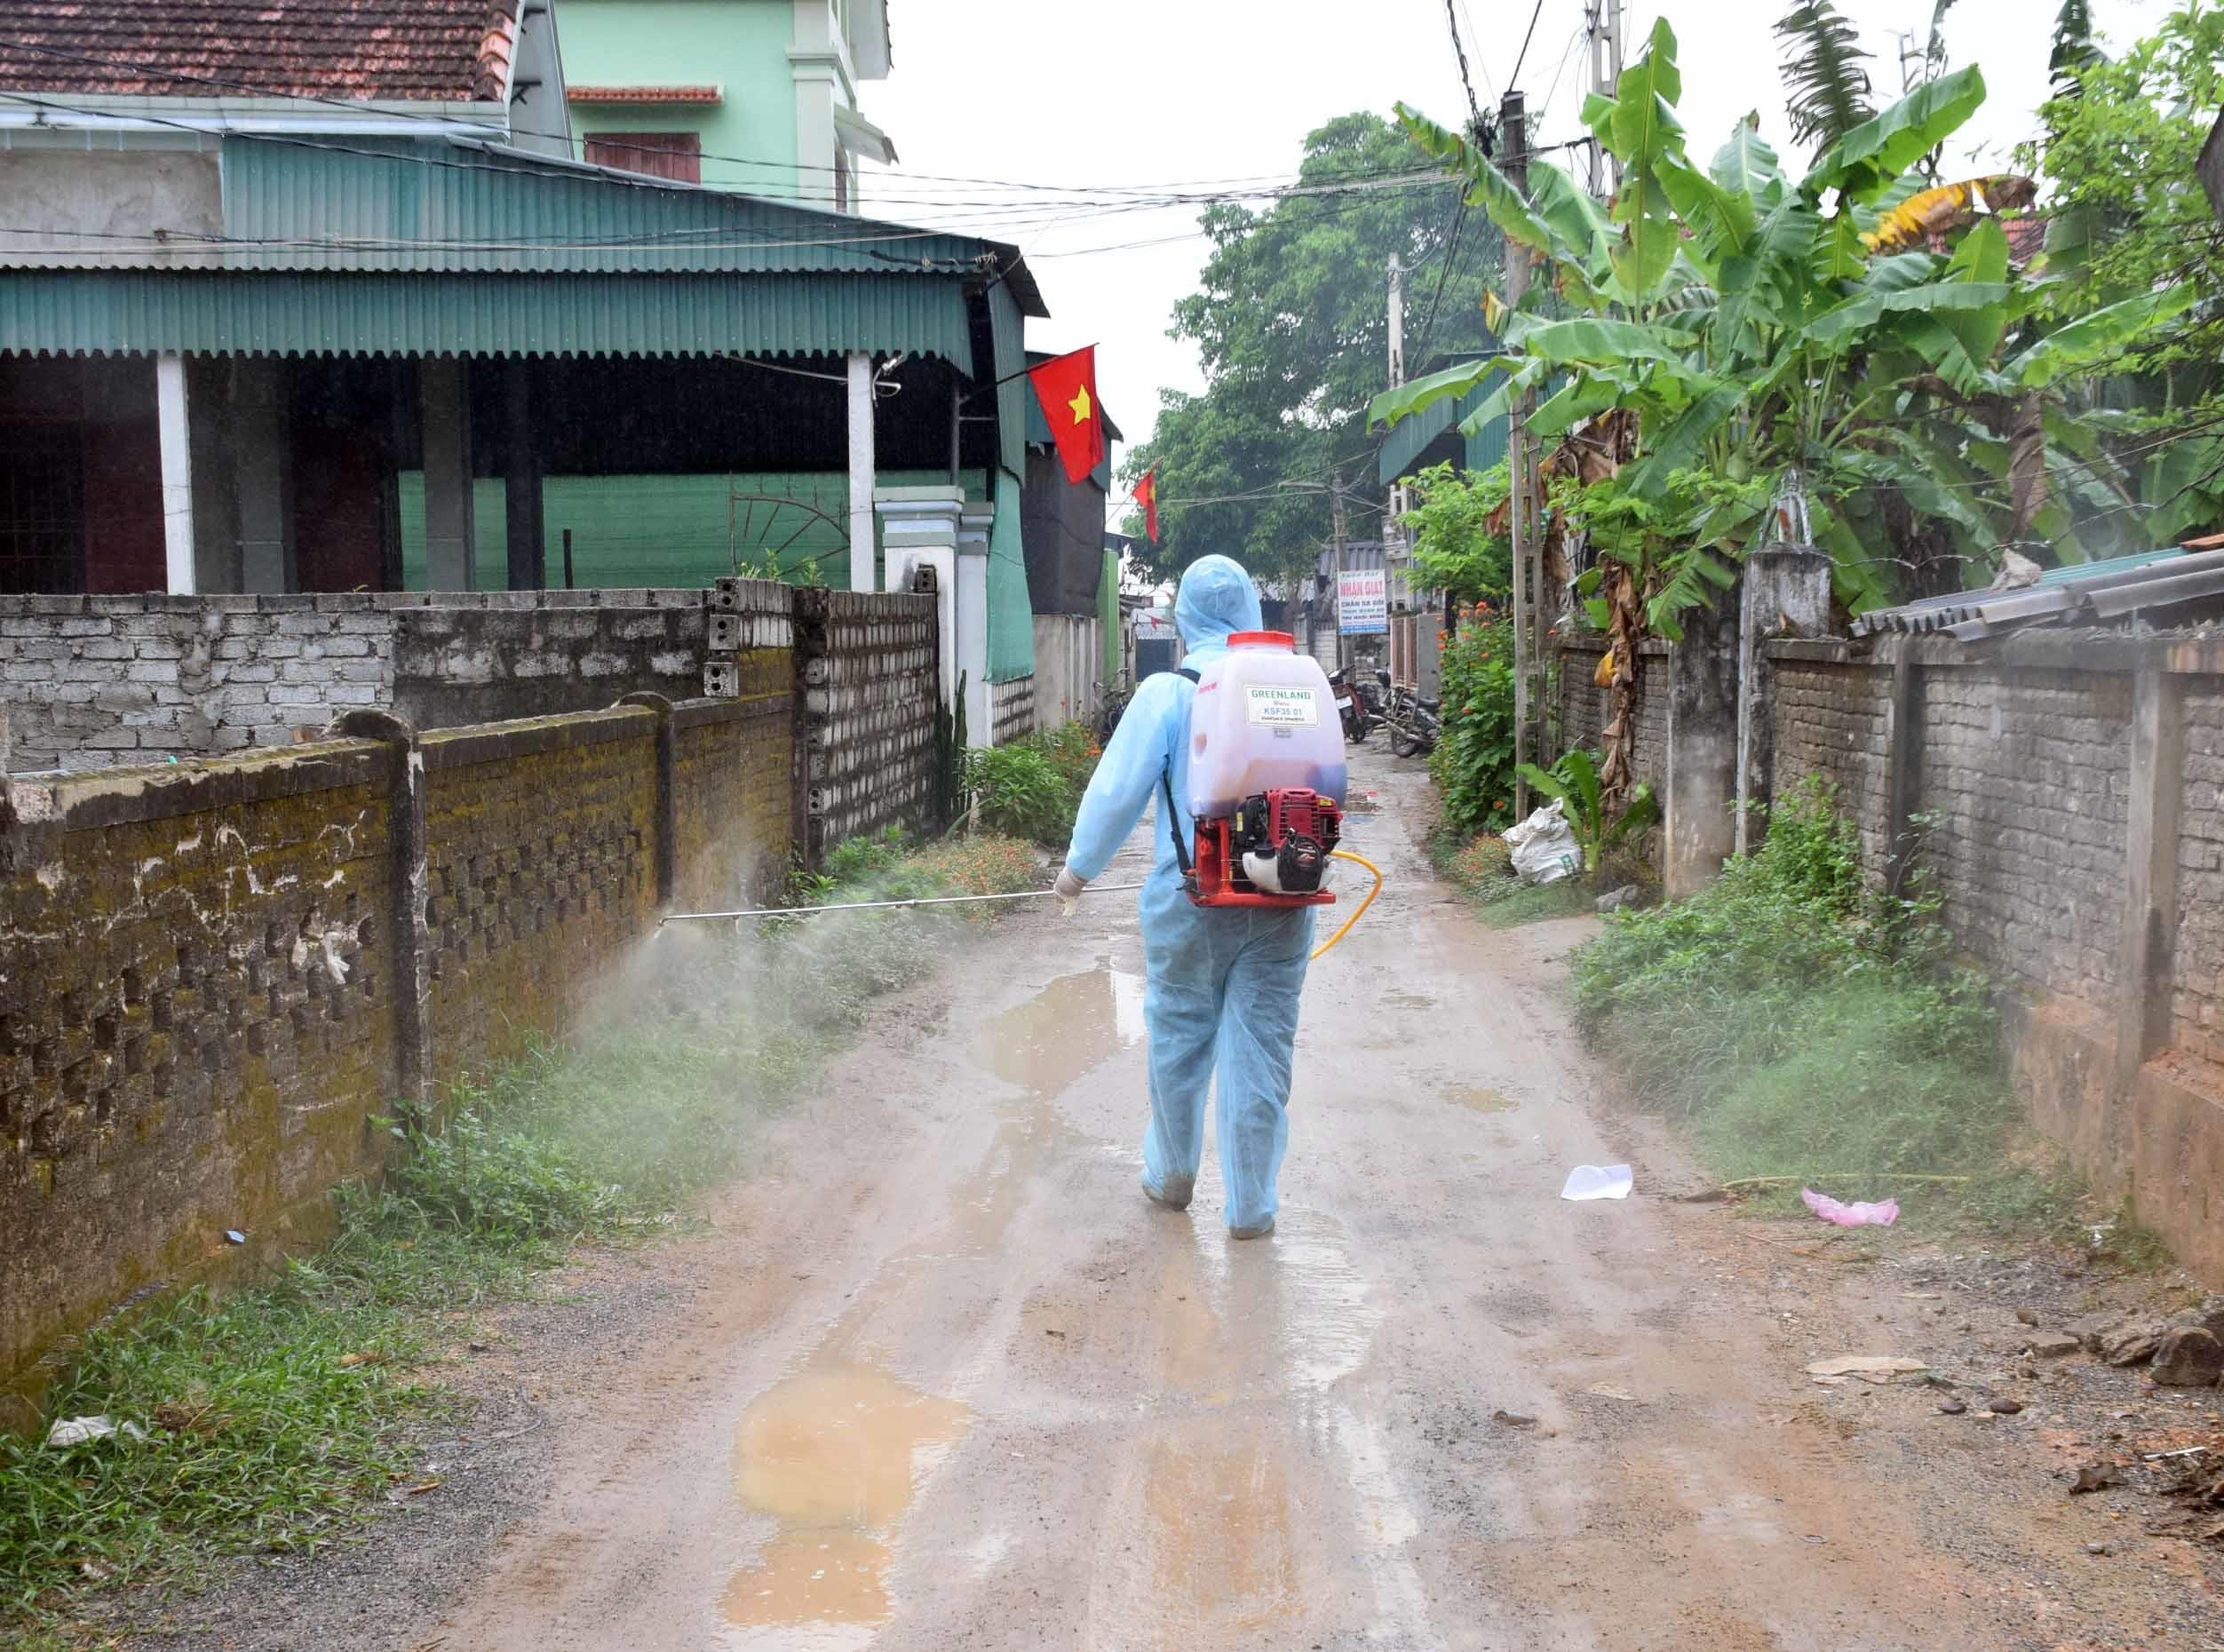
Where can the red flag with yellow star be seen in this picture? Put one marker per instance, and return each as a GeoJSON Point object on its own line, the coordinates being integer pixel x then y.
{"type": "Point", "coordinates": [1066, 387]}
{"type": "Point", "coordinates": [1146, 495]}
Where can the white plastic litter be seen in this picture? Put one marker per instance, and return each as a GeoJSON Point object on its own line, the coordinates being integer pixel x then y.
{"type": "Point", "coordinates": [1598, 1181]}
{"type": "Point", "coordinates": [77, 1430]}
{"type": "Point", "coordinates": [1543, 848]}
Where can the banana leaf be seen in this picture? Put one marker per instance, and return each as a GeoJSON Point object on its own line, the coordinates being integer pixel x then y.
{"type": "Point", "coordinates": [1403, 401]}
{"type": "Point", "coordinates": [1677, 447]}
{"type": "Point", "coordinates": [1746, 165]}
{"type": "Point", "coordinates": [1488, 188]}
{"type": "Point", "coordinates": [1866, 163]}
{"type": "Point", "coordinates": [1865, 309]}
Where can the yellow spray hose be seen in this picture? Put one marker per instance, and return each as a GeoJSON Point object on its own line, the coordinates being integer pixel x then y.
{"type": "Point", "coordinates": [1362, 912]}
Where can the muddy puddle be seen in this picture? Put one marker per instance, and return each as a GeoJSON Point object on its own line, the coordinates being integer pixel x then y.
{"type": "Point", "coordinates": [1477, 1099]}
{"type": "Point", "coordinates": [1055, 1037]}
{"type": "Point", "coordinates": [834, 1456]}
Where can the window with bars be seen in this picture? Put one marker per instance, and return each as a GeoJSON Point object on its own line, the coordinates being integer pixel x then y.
{"type": "Point", "coordinates": [674, 155]}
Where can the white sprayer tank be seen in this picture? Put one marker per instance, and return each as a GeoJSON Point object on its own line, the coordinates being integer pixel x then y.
{"type": "Point", "coordinates": [1263, 719]}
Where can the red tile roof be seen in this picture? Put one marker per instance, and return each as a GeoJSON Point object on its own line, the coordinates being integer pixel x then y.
{"type": "Point", "coordinates": [2027, 238]}
{"type": "Point", "coordinates": [445, 51]}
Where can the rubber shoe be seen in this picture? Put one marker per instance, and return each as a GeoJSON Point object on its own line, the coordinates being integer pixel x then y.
{"type": "Point", "coordinates": [1260, 1231]}
{"type": "Point", "coordinates": [1167, 1201]}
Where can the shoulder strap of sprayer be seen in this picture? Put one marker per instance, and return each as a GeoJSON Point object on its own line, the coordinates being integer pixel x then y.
{"type": "Point", "coordinates": [1174, 823]}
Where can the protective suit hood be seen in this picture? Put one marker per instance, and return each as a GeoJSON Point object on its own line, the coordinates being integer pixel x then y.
{"type": "Point", "coordinates": [1216, 597]}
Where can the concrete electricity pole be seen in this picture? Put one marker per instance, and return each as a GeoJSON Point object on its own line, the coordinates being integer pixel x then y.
{"type": "Point", "coordinates": [1403, 667]}
{"type": "Point", "coordinates": [1602, 24]}
{"type": "Point", "coordinates": [1335, 540]}
{"type": "Point", "coordinates": [1513, 145]}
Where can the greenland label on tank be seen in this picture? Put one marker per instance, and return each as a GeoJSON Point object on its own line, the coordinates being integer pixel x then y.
{"type": "Point", "coordinates": [1275, 705]}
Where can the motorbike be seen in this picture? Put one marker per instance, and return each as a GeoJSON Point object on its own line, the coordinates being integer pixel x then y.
{"type": "Point", "coordinates": [1411, 718]}
{"type": "Point", "coordinates": [1351, 708]}
{"type": "Point", "coordinates": [1111, 706]}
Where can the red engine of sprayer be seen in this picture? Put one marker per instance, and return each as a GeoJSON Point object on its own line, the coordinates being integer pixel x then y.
{"type": "Point", "coordinates": [1272, 852]}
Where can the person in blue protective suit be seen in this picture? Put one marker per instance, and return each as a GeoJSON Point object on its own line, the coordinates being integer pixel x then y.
{"type": "Point", "coordinates": [1221, 993]}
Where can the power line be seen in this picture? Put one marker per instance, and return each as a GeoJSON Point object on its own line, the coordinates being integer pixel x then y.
{"type": "Point", "coordinates": [1240, 185]}
{"type": "Point", "coordinates": [1566, 58]}
{"type": "Point", "coordinates": [1514, 79]}
{"type": "Point", "coordinates": [1451, 249]}
{"type": "Point", "coordinates": [866, 232]}
{"type": "Point", "coordinates": [1475, 109]}
{"type": "Point", "coordinates": [1481, 68]}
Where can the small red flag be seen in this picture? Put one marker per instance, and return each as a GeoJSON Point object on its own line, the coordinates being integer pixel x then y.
{"type": "Point", "coordinates": [1066, 387]}
{"type": "Point", "coordinates": [1146, 495]}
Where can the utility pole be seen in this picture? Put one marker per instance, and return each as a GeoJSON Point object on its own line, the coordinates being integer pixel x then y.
{"type": "Point", "coordinates": [1335, 541]}
{"type": "Point", "coordinates": [1403, 667]}
{"type": "Point", "coordinates": [1513, 145]}
{"type": "Point", "coordinates": [1602, 24]}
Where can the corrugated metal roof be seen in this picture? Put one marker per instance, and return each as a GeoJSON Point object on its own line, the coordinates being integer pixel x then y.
{"type": "Point", "coordinates": [394, 205]}
{"type": "Point", "coordinates": [2080, 592]}
{"type": "Point", "coordinates": [126, 312]}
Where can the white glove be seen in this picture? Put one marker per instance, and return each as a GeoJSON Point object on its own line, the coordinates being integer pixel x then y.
{"type": "Point", "coordinates": [1069, 888]}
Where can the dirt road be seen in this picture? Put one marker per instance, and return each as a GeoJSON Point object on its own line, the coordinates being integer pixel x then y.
{"type": "Point", "coordinates": [945, 1379]}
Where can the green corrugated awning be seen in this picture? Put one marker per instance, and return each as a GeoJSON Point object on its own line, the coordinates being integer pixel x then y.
{"type": "Point", "coordinates": [1015, 395]}
{"type": "Point", "coordinates": [1409, 439]}
{"type": "Point", "coordinates": [219, 312]}
{"type": "Point", "coordinates": [392, 206]}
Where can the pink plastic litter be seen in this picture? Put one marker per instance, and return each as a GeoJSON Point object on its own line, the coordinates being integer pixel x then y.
{"type": "Point", "coordinates": [1851, 1215]}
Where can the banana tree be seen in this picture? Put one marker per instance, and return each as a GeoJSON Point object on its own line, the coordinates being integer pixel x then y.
{"type": "Point", "coordinates": [1754, 324]}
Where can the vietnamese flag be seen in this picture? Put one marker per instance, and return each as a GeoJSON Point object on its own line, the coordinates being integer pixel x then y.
{"type": "Point", "coordinates": [1066, 387]}
{"type": "Point", "coordinates": [1146, 495]}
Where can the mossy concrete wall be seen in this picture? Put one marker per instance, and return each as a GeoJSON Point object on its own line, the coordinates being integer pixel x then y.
{"type": "Point", "coordinates": [196, 1019]}
{"type": "Point", "coordinates": [217, 974]}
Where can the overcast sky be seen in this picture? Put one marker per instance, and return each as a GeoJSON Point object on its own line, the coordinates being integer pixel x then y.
{"type": "Point", "coordinates": [1163, 91]}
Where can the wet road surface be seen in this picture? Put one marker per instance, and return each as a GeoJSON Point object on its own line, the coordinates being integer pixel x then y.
{"type": "Point", "coordinates": [951, 1382]}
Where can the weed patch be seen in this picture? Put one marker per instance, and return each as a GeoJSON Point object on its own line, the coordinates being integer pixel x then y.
{"type": "Point", "coordinates": [1813, 1030]}
{"type": "Point", "coordinates": [271, 1417]}
{"type": "Point", "coordinates": [1031, 788]}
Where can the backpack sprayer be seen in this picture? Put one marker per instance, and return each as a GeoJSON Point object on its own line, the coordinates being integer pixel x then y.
{"type": "Point", "coordinates": [1267, 780]}
{"type": "Point", "coordinates": [1267, 777]}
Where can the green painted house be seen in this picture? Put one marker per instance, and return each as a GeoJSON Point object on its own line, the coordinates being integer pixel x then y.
{"type": "Point", "coordinates": [754, 95]}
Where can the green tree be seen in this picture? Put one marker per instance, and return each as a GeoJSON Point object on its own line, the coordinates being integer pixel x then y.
{"type": "Point", "coordinates": [1290, 321]}
{"type": "Point", "coordinates": [2126, 217]}
{"type": "Point", "coordinates": [1458, 547]}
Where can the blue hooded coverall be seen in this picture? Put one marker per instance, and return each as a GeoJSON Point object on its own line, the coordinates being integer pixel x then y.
{"type": "Point", "coordinates": [1222, 985]}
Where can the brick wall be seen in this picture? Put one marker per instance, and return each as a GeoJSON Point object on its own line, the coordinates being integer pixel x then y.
{"type": "Point", "coordinates": [211, 981]}
{"type": "Point", "coordinates": [2023, 775]}
{"type": "Point", "coordinates": [1582, 701]}
{"type": "Point", "coordinates": [871, 685]}
{"type": "Point", "coordinates": [195, 1019]}
{"type": "Point", "coordinates": [2197, 985]}
{"type": "Point", "coordinates": [1830, 722]}
{"type": "Point", "coordinates": [2074, 792]}
{"type": "Point", "coordinates": [92, 681]}
{"type": "Point", "coordinates": [541, 863]}
{"type": "Point", "coordinates": [1583, 704]}
{"type": "Point", "coordinates": [206, 998]}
